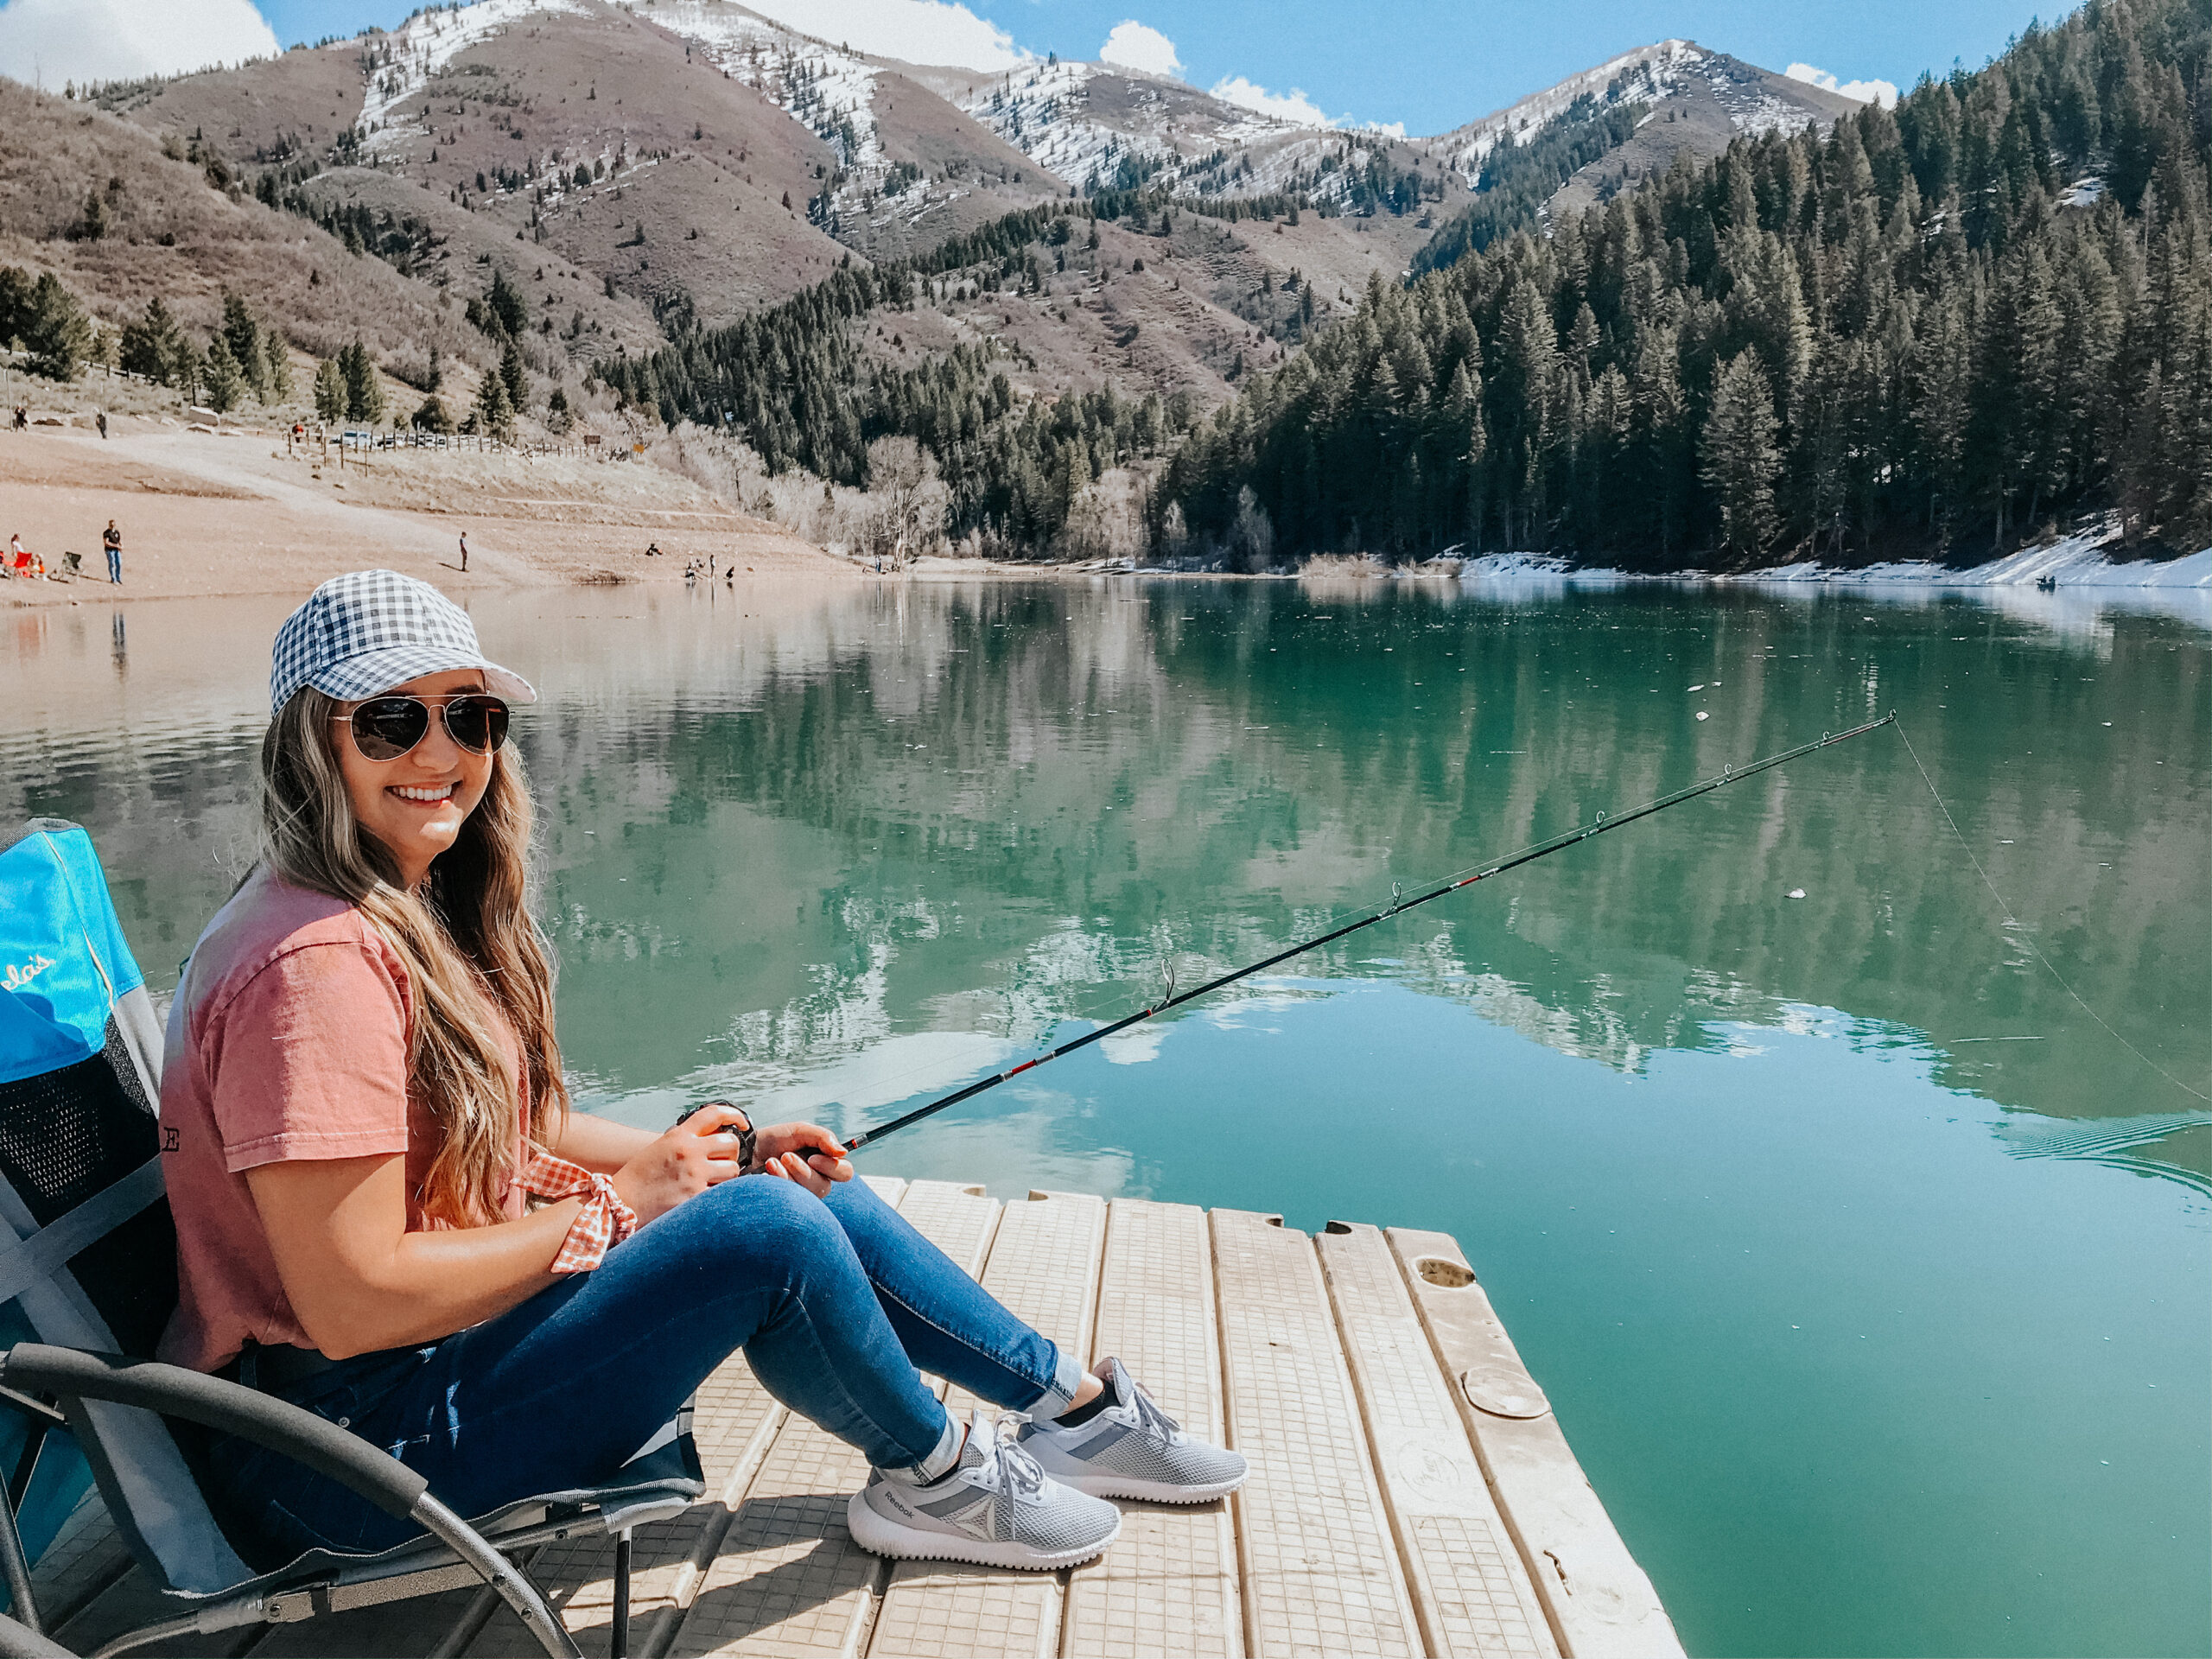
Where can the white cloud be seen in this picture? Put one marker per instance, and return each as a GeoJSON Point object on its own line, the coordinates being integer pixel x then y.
{"type": "Point", "coordinates": [1134, 1047]}
{"type": "Point", "coordinates": [1293, 106]}
{"type": "Point", "coordinates": [1138, 45]}
{"type": "Point", "coordinates": [1883, 92]}
{"type": "Point", "coordinates": [1296, 108]}
{"type": "Point", "coordinates": [930, 32]}
{"type": "Point", "coordinates": [54, 41]}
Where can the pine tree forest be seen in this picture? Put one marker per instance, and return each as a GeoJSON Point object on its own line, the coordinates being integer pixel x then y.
{"type": "Point", "coordinates": [791, 380]}
{"type": "Point", "coordinates": [1937, 330]}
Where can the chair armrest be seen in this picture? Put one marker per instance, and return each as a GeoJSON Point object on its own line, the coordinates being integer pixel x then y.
{"type": "Point", "coordinates": [17, 1641]}
{"type": "Point", "coordinates": [172, 1391]}
{"type": "Point", "coordinates": [231, 1408]}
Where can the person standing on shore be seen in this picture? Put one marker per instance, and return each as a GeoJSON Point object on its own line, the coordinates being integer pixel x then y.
{"type": "Point", "coordinates": [464, 552]}
{"type": "Point", "coordinates": [102, 426]}
{"type": "Point", "coordinates": [111, 539]}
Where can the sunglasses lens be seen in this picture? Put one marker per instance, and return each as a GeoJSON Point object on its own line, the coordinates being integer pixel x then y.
{"type": "Point", "coordinates": [386, 728]}
{"type": "Point", "coordinates": [478, 724]}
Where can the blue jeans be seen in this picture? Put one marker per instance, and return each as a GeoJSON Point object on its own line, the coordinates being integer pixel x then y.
{"type": "Point", "coordinates": [115, 564]}
{"type": "Point", "coordinates": [835, 1304]}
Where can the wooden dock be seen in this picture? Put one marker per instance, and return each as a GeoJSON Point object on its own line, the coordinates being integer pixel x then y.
{"type": "Point", "coordinates": [1455, 1521]}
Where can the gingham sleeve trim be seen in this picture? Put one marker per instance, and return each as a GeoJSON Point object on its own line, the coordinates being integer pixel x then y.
{"type": "Point", "coordinates": [604, 1221]}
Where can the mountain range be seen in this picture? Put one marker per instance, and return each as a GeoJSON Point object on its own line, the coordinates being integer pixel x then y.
{"type": "Point", "coordinates": [636, 171]}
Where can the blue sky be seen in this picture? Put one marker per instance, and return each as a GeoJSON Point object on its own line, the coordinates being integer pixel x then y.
{"type": "Point", "coordinates": [1430, 64]}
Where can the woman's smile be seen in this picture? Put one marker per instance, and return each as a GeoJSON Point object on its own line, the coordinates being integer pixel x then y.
{"type": "Point", "coordinates": [421, 818]}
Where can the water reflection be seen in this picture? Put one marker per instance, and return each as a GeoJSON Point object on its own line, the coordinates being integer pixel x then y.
{"type": "Point", "coordinates": [990, 810]}
{"type": "Point", "coordinates": [786, 827]}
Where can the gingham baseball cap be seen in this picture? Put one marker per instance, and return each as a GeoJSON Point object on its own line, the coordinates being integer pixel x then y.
{"type": "Point", "coordinates": [368, 631]}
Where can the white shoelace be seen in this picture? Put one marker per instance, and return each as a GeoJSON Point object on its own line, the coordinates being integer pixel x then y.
{"type": "Point", "coordinates": [1154, 1421]}
{"type": "Point", "coordinates": [1006, 1467]}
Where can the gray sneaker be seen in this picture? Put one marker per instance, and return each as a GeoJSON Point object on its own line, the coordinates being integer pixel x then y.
{"type": "Point", "coordinates": [1130, 1448]}
{"type": "Point", "coordinates": [996, 1508]}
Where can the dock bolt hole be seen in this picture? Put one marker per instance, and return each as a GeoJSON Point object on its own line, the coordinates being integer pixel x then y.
{"type": "Point", "coordinates": [1444, 1274]}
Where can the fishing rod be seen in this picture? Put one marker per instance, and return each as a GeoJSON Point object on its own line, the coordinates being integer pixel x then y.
{"type": "Point", "coordinates": [1398, 906]}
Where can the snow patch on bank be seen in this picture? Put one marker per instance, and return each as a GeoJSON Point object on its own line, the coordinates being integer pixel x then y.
{"type": "Point", "coordinates": [2085, 583]}
{"type": "Point", "coordinates": [2086, 587]}
{"type": "Point", "coordinates": [1520, 567]}
{"type": "Point", "coordinates": [2076, 561]}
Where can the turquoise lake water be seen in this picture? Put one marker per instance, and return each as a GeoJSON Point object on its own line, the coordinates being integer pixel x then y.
{"type": "Point", "coordinates": [1866, 1269]}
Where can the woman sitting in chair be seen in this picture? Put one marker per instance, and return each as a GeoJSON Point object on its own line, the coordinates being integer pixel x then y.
{"type": "Point", "coordinates": [387, 1213]}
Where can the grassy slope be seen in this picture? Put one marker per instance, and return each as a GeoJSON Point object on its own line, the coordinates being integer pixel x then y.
{"type": "Point", "coordinates": [53, 151]}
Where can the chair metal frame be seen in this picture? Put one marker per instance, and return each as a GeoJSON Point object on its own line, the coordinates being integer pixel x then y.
{"type": "Point", "coordinates": [453, 1555]}
{"type": "Point", "coordinates": [115, 1406]}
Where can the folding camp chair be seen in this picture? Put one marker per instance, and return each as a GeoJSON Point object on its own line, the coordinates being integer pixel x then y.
{"type": "Point", "coordinates": [88, 1267]}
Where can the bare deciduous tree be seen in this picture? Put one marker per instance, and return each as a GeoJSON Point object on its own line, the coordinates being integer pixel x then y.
{"type": "Point", "coordinates": [902, 478]}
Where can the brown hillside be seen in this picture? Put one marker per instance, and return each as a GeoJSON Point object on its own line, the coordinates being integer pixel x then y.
{"type": "Point", "coordinates": [530, 101]}
{"type": "Point", "coordinates": [697, 120]}
{"type": "Point", "coordinates": [705, 163]}
{"type": "Point", "coordinates": [460, 249]}
{"type": "Point", "coordinates": [977, 170]}
{"type": "Point", "coordinates": [173, 233]}
{"type": "Point", "coordinates": [258, 112]}
{"type": "Point", "coordinates": [1144, 313]}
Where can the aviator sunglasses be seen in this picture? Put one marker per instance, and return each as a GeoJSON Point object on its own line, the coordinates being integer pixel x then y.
{"type": "Point", "coordinates": [386, 728]}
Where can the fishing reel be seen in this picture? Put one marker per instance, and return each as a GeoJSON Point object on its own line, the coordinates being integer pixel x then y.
{"type": "Point", "coordinates": [745, 1134]}
{"type": "Point", "coordinates": [748, 1158]}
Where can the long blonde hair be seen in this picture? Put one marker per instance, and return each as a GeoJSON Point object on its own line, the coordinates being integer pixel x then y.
{"type": "Point", "coordinates": [467, 940]}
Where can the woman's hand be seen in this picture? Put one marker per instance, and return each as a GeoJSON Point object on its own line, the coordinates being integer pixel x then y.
{"type": "Point", "coordinates": [805, 1153]}
{"type": "Point", "coordinates": [683, 1163]}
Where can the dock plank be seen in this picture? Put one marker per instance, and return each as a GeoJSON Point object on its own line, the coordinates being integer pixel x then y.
{"type": "Point", "coordinates": [1470, 1589]}
{"type": "Point", "coordinates": [1319, 1573]}
{"type": "Point", "coordinates": [1169, 1583]}
{"type": "Point", "coordinates": [1043, 1266]}
{"type": "Point", "coordinates": [789, 1580]}
{"type": "Point", "coordinates": [1600, 1603]}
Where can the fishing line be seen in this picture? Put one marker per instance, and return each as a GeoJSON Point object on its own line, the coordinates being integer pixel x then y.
{"type": "Point", "coordinates": [1967, 848]}
{"type": "Point", "coordinates": [1399, 903]}
{"type": "Point", "coordinates": [1122, 971]}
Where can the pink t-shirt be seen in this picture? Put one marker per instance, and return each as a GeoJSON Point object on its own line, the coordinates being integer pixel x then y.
{"type": "Point", "coordinates": [288, 1040]}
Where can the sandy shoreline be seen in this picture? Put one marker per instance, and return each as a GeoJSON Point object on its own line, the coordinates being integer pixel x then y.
{"type": "Point", "coordinates": [233, 513]}
{"type": "Point", "coordinates": [204, 515]}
